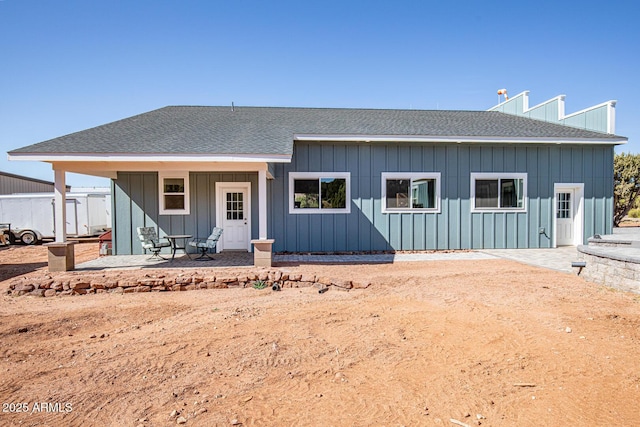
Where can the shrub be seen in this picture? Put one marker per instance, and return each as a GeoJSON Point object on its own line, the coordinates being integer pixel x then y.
{"type": "Point", "coordinates": [259, 284]}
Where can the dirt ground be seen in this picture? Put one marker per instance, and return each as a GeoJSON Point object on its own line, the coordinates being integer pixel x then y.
{"type": "Point", "coordinates": [491, 343]}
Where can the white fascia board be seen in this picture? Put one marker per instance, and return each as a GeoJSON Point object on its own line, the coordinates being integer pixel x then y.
{"type": "Point", "coordinates": [115, 157]}
{"type": "Point", "coordinates": [456, 139]}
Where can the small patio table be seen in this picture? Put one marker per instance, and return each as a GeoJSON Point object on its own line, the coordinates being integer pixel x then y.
{"type": "Point", "coordinates": [174, 245]}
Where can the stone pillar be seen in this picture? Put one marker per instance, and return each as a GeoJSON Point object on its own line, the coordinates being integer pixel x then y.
{"type": "Point", "coordinates": [61, 256]}
{"type": "Point", "coordinates": [262, 252]}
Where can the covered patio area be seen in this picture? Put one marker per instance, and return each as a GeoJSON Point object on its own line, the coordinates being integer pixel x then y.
{"type": "Point", "coordinates": [136, 262]}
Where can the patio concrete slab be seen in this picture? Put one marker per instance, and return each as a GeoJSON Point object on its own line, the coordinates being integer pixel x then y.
{"type": "Point", "coordinates": [382, 258]}
{"type": "Point", "coordinates": [133, 262]}
{"type": "Point", "coordinates": [240, 259]}
{"type": "Point", "coordinates": [555, 259]}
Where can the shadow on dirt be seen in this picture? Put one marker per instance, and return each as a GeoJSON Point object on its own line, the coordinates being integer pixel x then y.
{"type": "Point", "coordinates": [9, 268]}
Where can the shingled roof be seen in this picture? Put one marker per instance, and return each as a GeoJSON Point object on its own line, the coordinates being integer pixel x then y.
{"type": "Point", "coordinates": [199, 130]}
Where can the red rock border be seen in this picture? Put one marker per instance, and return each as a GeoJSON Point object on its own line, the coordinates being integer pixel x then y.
{"type": "Point", "coordinates": [127, 281]}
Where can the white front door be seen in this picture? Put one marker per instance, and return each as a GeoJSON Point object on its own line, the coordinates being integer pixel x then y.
{"type": "Point", "coordinates": [233, 204]}
{"type": "Point", "coordinates": [565, 213]}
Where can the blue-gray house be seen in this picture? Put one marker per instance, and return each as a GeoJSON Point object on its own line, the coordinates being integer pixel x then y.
{"type": "Point", "coordinates": [333, 180]}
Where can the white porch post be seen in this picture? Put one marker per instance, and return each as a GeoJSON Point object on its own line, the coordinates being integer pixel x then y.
{"type": "Point", "coordinates": [60, 198]}
{"type": "Point", "coordinates": [61, 253]}
{"type": "Point", "coordinates": [262, 245]}
{"type": "Point", "coordinates": [262, 204]}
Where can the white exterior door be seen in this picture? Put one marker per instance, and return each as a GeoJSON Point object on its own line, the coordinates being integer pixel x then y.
{"type": "Point", "coordinates": [565, 217]}
{"type": "Point", "coordinates": [233, 215]}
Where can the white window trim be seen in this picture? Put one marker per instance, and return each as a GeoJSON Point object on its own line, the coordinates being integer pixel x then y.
{"type": "Point", "coordinates": [162, 175]}
{"type": "Point", "coordinates": [319, 175]}
{"type": "Point", "coordinates": [498, 175]}
{"type": "Point", "coordinates": [410, 176]}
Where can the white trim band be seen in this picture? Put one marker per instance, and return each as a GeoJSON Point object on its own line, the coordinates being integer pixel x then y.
{"type": "Point", "coordinates": [151, 157]}
{"type": "Point", "coordinates": [457, 139]}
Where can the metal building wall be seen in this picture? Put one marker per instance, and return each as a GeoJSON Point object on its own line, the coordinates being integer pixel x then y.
{"type": "Point", "coordinates": [135, 204]}
{"type": "Point", "coordinates": [12, 184]}
{"type": "Point", "coordinates": [366, 228]}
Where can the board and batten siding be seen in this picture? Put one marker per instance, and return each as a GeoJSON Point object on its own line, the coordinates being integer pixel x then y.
{"type": "Point", "coordinates": [135, 204]}
{"type": "Point", "coordinates": [366, 228]}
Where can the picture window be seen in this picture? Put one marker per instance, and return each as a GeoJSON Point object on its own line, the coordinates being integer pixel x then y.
{"type": "Point", "coordinates": [319, 192]}
{"type": "Point", "coordinates": [411, 192]}
{"type": "Point", "coordinates": [499, 192]}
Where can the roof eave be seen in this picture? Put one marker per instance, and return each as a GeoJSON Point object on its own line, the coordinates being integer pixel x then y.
{"type": "Point", "coordinates": [459, 139]}
{"type": "Point", "coordinates": [149, 157]}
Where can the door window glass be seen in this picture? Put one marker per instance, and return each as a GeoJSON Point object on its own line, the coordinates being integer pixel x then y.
{"type": "Point", "coordinates": [235, 205]}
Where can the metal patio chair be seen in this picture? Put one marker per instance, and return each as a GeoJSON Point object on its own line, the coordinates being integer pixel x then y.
{"type": "Point", "coordinates": [150, 241]}
{"type": "Point", "coordinates": [206, 244]}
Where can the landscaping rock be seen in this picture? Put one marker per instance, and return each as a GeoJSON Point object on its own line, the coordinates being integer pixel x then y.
{"type": "Point", "coordinates": [360, 285]}
{"type": "Point", "coordinates": [303, 284]}
{"type": "Point", "coordinates": [151, 282]}
{"type": "Point", "coordinates": [308, 278]}
{"type": "Point", "coordinates": [24, 287]}
{"type": "Point", "coordinates": [37, 292]}
{"type": "Point", "coordinates": [324, 280]}
{"type": "Point", "coordinates": [129, 282]}
{"type": "Point", "coordinates": [80, 285]}
{"type": "Point", "coordinates": [346, 284]}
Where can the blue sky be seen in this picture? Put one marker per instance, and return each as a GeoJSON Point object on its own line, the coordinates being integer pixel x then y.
{"type": "Point", "coordinates": [70, 65]}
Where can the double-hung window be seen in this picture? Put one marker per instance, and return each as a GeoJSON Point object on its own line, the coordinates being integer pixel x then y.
{"type": "Point", "coordinates": [410, 192]}
{"type": "Point", "coordinates": [499, 192]}
{"type": "Point", "coordinates": [174, 193]}
{"type": "Point", "coordinates": [319, 192]}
